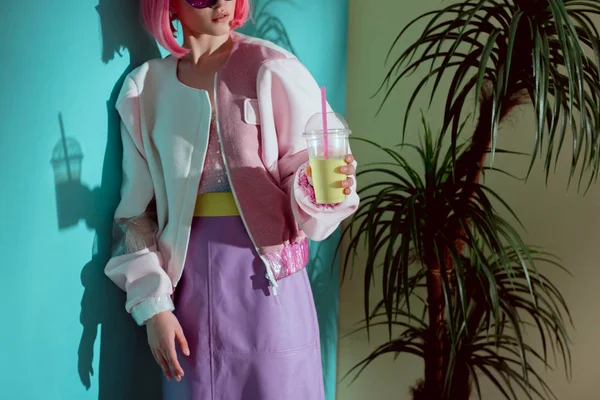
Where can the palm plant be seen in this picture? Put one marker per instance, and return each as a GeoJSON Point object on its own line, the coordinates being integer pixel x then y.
{"type": "Point", "coordinates": [486, 287]}
{"type": "Point", "coordinates": [436, 234]}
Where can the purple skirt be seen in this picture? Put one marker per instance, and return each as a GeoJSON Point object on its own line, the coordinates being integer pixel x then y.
{"type": "Point", "coordinates": [245, 343]}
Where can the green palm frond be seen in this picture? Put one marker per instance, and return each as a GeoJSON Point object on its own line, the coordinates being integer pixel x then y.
{"type": "Point", "coordinates": [417, 218]}
{"type": "Point", "coordinates": [546, 52]}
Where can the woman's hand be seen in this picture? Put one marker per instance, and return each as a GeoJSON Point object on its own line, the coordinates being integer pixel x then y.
{"type": "Point", "coordinates": [163, 329]}
{"type": "Point", "coordinates": [347, 169]}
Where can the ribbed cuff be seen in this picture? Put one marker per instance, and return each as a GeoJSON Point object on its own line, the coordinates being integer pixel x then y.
{"type": "Point", "coordinates": [150, 307]}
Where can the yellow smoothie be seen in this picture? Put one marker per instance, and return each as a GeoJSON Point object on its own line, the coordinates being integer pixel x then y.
{"type": "Point", "coordinates": [327, 179]}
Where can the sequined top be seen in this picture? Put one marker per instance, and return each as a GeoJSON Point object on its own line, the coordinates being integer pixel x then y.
{"type": "Point", "coordinates": [214, 176]}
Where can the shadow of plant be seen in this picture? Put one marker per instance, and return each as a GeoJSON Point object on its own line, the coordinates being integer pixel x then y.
{"type": "Point", "coordinates": [265, 24]}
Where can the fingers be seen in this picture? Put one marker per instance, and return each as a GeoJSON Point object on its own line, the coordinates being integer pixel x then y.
{"type": "Point", "coordinates": [183, 344]}
{"type": "Point", "coordinates": [162, 363]}
{"type": "Point", "coordinates": [348, 169]}
{"type": "Point", "coordinates": [163, 329]}
{"type": "Point", "coordinates": [308, 171]}
{"type": "Point", "coordinates": [171, 356]}
{"type": "Point", "coordinates": [347, 184]}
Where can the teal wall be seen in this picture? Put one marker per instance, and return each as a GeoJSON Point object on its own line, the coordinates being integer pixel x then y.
{"type": "Point", "coordinates": [64, 332]}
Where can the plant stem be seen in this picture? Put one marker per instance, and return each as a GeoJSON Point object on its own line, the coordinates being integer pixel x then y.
{"type": "Point", "coordinates": [434, 351]}
{"type": "Point", "coordinates": [468, 169]}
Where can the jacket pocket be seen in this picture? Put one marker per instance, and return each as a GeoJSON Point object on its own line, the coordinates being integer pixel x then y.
{"type": "Point", "coordinates": [251, 112]}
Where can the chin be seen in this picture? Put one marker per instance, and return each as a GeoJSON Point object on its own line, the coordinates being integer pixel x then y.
{"type": "Point", "coordinates": [219, 30]}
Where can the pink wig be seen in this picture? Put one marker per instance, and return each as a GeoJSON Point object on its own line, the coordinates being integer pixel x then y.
{"type": "Point", "coordinates": [157, 19]}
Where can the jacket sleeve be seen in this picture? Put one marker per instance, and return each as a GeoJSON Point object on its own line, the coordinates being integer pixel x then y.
{"type": "Point", "coordinates": [136, 265]}
{"type": "Point", "coordinates": [294, 95]}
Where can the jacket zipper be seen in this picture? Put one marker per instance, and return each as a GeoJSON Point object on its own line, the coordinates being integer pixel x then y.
{"type": "Point", "coordinates": [269, 275]}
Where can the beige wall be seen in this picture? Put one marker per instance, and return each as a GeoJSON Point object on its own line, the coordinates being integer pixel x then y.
{"type": "Point", "coordinates": [564, 222]}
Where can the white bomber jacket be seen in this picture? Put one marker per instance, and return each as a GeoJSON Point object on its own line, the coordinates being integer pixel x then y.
{"type": "Point", "coordinates": [263, 98]}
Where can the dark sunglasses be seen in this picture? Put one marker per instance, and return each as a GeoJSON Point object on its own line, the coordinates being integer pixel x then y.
{"type": "Point", "coordinates": [202, 3]}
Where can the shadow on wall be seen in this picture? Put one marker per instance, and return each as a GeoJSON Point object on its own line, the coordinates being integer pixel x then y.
{"type": "Point", "coordinates": [325, 282]}
{"type": "Point", "coordinates": [266, 25]}
{"type": "Point", "coordinates": [127, 369]}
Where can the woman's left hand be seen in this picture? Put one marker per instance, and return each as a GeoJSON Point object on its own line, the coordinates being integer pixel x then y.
{"type": "Point", "coordinates": [348, 169]}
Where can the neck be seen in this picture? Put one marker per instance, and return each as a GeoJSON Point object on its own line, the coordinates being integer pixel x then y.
{"type": "Point", "coordinates": [203, 47]}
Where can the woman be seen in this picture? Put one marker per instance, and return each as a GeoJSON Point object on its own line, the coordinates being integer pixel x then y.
{"type": "Point", "coordinates": [217, 208]}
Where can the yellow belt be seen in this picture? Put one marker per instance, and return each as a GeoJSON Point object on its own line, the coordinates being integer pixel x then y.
{"type": "Point", "coordinates": [216, 205]}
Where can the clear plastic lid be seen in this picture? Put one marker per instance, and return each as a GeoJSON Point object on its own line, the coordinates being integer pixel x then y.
{"type": "Point", "coordinates": [336, 125]}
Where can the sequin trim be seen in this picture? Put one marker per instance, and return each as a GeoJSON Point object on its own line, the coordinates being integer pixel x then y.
{"type": "Point", "coordinates": [291, 259]}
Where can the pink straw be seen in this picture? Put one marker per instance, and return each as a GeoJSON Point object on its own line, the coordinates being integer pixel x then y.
{"type": "Point", "coordinates": [324, 110]}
